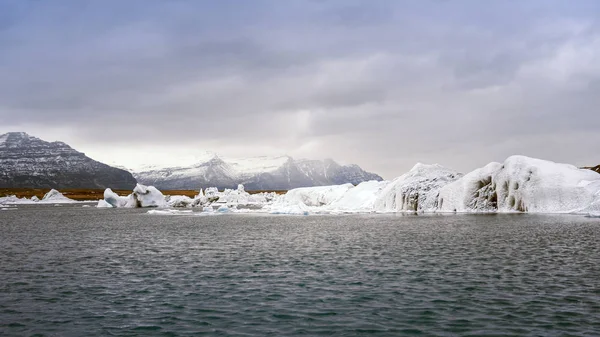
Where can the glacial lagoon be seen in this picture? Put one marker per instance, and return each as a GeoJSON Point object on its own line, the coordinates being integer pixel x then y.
{"type": "Point", "coordinates": [75, 271]}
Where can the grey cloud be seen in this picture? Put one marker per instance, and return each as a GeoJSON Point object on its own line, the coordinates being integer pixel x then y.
{"type": "Point", "coordinates": [382, 85]}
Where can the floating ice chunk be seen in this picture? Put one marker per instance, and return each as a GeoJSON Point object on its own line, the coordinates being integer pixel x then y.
{"type": "Point", "coordinates": [12, 199]}
{"type": "Point", "coordinates": [115, 200]}
{"type": "Point", "coordinates": [54, 196]}
{"type": "Point", "coordinates": [35, 199]}
{"type": "Point", "coordinates": [179, 201]}
{"type": "Point", "coordinates": [149, 196]}
{"type": "Point", "coordinates": [169, 212]}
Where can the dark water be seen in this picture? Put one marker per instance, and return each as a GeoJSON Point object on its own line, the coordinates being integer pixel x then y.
{"type": "Point", "coordinates": [72, 271]}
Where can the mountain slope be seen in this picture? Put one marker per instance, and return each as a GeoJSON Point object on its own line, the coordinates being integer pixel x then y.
{"type": "Point", "coordinates": [29, 162]}
{"type": "Point", "coordinates": [258, 173]}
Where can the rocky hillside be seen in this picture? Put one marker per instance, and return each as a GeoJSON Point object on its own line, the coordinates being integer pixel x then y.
{"type": "Point", "coordinates": [29, 162]}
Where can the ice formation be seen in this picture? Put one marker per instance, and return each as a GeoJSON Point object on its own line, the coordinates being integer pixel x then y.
{"type": "Point", "coordinates": [360, 198]}
{"type": "Point", "coordinates": [520, 184]}
{"type": "Point", "coordinates": [523, 184]}
{"type": "Point", "coordinates": [54, 196]}
{"type": "Point", "coordinates": [142, 196]}
{"type": "Point", "coordinates": [416, 190]}
{"type": "Point", "coordinates": [149, 196]}
{"type": "Point", "coordinates": [169, 212]}
{"type": "Point", "coordinates": [114, 200]}
{"type": "Point", "coordinates": [315, 196]}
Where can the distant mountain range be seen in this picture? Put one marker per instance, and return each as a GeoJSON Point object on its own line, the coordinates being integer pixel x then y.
{"type": "Point", "coordinates": [29, 162]}
{"type": "Point", "coordinates": [257, 173]}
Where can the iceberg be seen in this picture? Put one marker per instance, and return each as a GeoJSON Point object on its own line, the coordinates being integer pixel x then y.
{"type": "Point", "coordinates": [169, 212]}
{"type": "Point", "coordinates": [361, 198]}
{"type": "Point", "coordinates": [179, 201]}
{"type": "Point", "coordinates": [52, 197]}
{"type": "Point", "coordinates": [114, 200]}
{"type": "Point", "coordinates": [13, 199]}
{"type": "Point", "coordinates": [149, 196]}
{"type": "Point", "coordinates": [142, 196]}
{"type": "Point", "coordinates": [416, 191]}
{"type": "Point", "coordinates": [519, 184]}
{"type": "Point", "coordinates": [523, 184]}
{"type": "Point", "coordinates": [55, 197]}
{"type": "Point", "coordinates": [315, 196]}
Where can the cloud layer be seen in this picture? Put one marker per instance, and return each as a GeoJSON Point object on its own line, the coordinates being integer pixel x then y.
{"type": "Point", "coordinates": [383, 84]}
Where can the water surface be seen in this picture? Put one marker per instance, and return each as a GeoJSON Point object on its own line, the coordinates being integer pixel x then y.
{"type": "Point", "coordinates": [72, 271]}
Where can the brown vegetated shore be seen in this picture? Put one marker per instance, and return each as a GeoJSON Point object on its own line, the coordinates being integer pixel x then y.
{"type": "Point", "coordinates": [92, 194]}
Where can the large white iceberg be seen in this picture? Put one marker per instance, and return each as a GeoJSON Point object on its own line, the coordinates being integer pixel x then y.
{"type": "Point", "coordinates": [523, 184]}
{"type": "Point", "coordinates": [520, 184]}
{"type": "Point", "coordinates": [417, 190]}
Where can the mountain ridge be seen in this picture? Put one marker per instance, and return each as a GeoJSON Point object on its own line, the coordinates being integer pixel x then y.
{"type": "Point", "coordinates": [29, 162]}
{"type": "Point", "coordinates": [255, 173]}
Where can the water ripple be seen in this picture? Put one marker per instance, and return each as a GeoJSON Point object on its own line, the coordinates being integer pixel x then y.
{"type": "Point", "coordinates": [96, 273]}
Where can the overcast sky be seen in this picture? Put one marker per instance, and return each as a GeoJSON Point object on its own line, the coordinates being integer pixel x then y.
{"type": "Point", "coordinates": [383, 84]}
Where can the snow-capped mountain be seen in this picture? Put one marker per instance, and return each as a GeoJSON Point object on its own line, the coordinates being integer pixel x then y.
{"type": "Point", "coordinates": [257, 173]}
{"type": "Point", "coordinates": [29, 162]}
